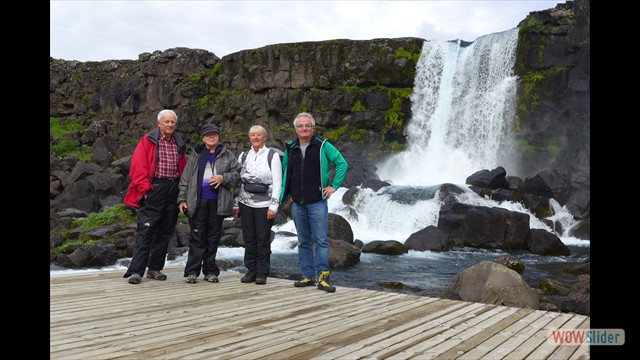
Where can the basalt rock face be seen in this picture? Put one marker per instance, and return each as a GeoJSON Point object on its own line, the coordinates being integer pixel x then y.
{"type": "Point", "coordinates": [358, 90]}
{"type": "Point", "coordinates": [554, 114]}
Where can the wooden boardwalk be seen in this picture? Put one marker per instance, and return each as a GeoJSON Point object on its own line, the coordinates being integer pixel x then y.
{"type": "Point", "coordinates": [98, 315]}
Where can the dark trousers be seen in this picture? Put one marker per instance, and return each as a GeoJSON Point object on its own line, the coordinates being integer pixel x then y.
{"type": "Point", "coordinates": [206, 230]}
{"type": "Point", "coordinates": [256, 233]}
{"type": "Point", "coordinates": [157, 218]}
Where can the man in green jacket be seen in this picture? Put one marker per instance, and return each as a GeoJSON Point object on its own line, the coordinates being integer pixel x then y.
{"type": "Point", "coordinates": [306, 186]}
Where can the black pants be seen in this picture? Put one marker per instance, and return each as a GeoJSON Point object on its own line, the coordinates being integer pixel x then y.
{"type": "Point", "coordinates": [206, 230]}
{"type": "Point", "coordinates": [256, 233]}
{"type": "Point", "coordinates": [157, 218]}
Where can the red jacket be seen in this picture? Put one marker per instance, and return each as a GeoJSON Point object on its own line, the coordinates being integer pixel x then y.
{"type": "Point", "coordinates": [143, 165]}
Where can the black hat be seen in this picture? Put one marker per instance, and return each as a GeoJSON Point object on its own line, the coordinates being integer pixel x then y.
{"type": "Point", "coordinates": [207, 128]}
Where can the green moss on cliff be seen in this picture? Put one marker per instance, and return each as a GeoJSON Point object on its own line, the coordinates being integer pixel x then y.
{"type": "Point", "coordinates": [413, 54]}
{"type": "Point", "coordinates": [535, 25]}
{"type": "Point", "coordinates": [394, 115]}
{"type": "Point", "coordinates": [335, 134]}
{"type": "Point", "coordinates": [353, 89]}
{"type": "Point", "coordinates": [63, 144]}
{"type": "Point", "coordinates": [358, 107]}
{"type": "Point", "coordinates": [358, 136]}
{"type": "Point", "coordinates": [203, 84]}
{"type": "Point", "coordinates": [397, 147]}
{"type": "Point", "coordinates": [534, 90]}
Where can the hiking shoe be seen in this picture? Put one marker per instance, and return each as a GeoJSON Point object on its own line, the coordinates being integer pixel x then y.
{"type": "Point", "coordinates": [135, 279]}
{"type": "Point", "coordinates": [323, 282]}
{"type": "Point", "coordinates": [249, 278]}
{"type": "Point", "coordinates": [261, 279]}
{"type": "Point", "coordinates": [191, 279]}
{"type": "Point", "coordinates": [155, 274]}
{"type": "Point", "coordinates": [211, 278]}
{"type": "Point", "coordinates": [304, 282]}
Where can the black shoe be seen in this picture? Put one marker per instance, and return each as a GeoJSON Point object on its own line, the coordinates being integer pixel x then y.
{"type": "Point", "coordinates": [261, 279]}
{"type": "Point", "coordinates": [304, 282]}
{"type": "Point", "coordinates": [249, 278]}
{"type": "Point", "coordinates": [155, 274]}
{"type": "Point", "coordinates": [135, 279]}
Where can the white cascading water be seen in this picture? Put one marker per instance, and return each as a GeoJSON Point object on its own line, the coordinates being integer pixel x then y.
{"type": "Point", "coordinates": [463, 104]}
{"type": "Point", "coordinates": [463, 108]}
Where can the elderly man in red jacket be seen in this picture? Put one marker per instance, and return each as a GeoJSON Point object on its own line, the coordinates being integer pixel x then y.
{"type": "Point", "coordinates": [156, 166]}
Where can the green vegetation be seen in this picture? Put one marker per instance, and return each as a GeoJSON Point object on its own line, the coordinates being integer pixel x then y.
{"type": "Point", "coordinates": [194, 79]}
{"type": "Point", "coordinates": [535, 26]}
{"type": "Point", "coordinates": [530, 98]}
{"type": "Point", "coordinates": [108, 216]}
{"type": "Point", "coordinates": [199, 81]}
{"type": "Point", "coordinates": [328, 42]}
{"type": "Point", "coordinates": [353, 88]}
{"type": "Point", "coordinates": [358, 136]}
{"type": "Point", "coordinates": [303, 106]}
{"type": "Point", "coordinates": [397, 147]}
{"type": "Point", "coordinates": [63, 145]}
{"type": "Point", "coordinates": [395, 115]}
{"type": "Point", "coordinates": [533, 89]}
{"type": "Point", "coordinates": [335, 134]}
{"type": "Point", "coordinates": [412, 55]}
{"type": "Point", "coordinates": [358, 107]}
{"type": "Point", "coordinates": [526, 147]}
{"type": "Point", "coordinates": [69, 246]}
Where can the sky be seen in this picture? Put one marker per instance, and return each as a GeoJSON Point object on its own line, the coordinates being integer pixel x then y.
{"type": "Point", "coordinates": [100, 30]}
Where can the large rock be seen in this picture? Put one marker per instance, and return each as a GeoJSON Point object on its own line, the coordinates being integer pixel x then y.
{"type": "Point", "coordinates": [492, 283]}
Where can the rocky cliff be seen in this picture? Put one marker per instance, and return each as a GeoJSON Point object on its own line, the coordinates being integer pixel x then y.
{"type": "Point", "coordinates": [358, 91]}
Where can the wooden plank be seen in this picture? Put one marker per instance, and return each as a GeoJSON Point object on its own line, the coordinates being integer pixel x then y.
{"type": "Point", "coordinates": [481, 350]}
{"type": "Point", "coordinates": [418, 346]}
{"type": "Point", "coordinates": [547, 347]}
{"type": "Point", "coordinates": [522, 335]}
{"type": "Point", "coordinates": [476, 335]}
{"type": "Point", "coordinates": [325, 337]}
{"type": "Point", "coordinates": [351, 348]}
{"type": "Point", "coordinates": [419, 332]}
{"type": "Point", "coordinates": [299, 334]}
{"type": "Point", "coordinates": [98, 315]}
{"type": "Point", "coordinates": [152, 334]}
{"type": "Point", "coordinates": [262, 333]}
{"type": "Point", "coordinates": [538, 338]}
{"type": "Point", "coordinates": [567, 351]}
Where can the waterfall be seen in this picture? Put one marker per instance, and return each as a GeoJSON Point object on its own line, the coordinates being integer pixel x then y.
{"type": "Point", "coordinates": [463, 109]}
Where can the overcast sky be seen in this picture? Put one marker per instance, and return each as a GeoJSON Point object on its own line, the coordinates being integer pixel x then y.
{"type": "Point", "coordinates": [113, 30]}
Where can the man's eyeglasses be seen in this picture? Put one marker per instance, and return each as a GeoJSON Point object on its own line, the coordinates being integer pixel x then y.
{"type": "Point", "coordinates": [300, 126]}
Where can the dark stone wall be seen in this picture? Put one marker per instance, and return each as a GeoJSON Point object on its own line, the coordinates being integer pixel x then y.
{"type": "Point", "coordinates": [554, 114]}
{"type": "Point", "coordinates": [357, 90]}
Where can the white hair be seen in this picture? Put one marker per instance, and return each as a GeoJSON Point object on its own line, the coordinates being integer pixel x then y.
{"type": "Point", "coordinates": [167, 111]}
{"type": "Point", "coordinates": [313, 121]}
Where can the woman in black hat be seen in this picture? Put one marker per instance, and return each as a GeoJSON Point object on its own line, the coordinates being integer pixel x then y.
{"type": "Point", "coordinates": [206, 198]}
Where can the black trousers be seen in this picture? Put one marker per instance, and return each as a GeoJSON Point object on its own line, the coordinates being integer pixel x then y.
{"type": "Point", "coordinates": [206, 230]}
{"type": "Point", "coordinates": [157, 218]}
{"type": "Point", "coordinates": [256, 233]}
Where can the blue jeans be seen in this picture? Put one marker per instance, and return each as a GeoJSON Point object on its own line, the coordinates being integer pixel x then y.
{"type": "Point", "coordinates": [312, 222]}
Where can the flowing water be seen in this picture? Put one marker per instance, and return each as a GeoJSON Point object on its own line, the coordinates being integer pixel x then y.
{"type": "Point", "coordinates": [463, 107]}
